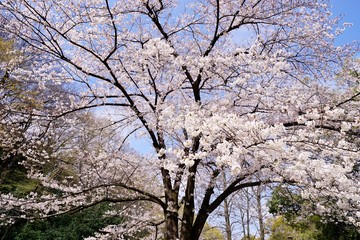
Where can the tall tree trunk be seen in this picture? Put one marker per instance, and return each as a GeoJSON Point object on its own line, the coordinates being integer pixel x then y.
{"type": "Point", "coordinates": [204, 211]}
{"type": "Point", "coordinates": [188, 213]}
{"type": "Point", "coordinates": [227, 221]}
{"type": "Point", "coordinates": [242, 214]}
{"type": "Point", "coordinates": [198, 227]}
{"type": "Point", "coordinates": [171, 211]}
{"type": "Point", "coordinates": [171, 225]}
{"type": "Point", "coordinates": [226, 212]}
{"type": "Point", "coordinates": [247, 213]}
{"type": "Point", "coordinates": [260, 215]}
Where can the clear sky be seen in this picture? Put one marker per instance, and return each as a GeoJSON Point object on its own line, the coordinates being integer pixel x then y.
{"type": "Point", "coordinates": [350, 11]}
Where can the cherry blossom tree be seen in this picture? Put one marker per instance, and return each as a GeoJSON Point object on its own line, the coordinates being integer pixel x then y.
{"type": "Point", "coordinates": [252, 88]}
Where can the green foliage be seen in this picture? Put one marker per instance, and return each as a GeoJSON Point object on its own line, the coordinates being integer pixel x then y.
{"type": "Point", "coordinates": [5, 50]}
{"type": "Point", "coordinates": [280, 229]}
{"type": "Point", "coordinates": [284, 202]}
{"type": "Point", "coordinates": [251, 237]}
{"type": "Point", "coordinates": [211, 233]}
{"type": "Point", "coordinates": [337, 231]}
{"type": "Point", "coordinates": [64, 227]}
{"type": "Point", "coordinates": [13, 177]}
{"type": "Point", "coordinates": [287, 205]}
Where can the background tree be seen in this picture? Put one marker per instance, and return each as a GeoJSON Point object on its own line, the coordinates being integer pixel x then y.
{"type": "Point", "coordinates": [292, 219]}
{"type": "Point", "coordinates": [261, 106]}
{"type": "Point", "coordinates": [279, 229]}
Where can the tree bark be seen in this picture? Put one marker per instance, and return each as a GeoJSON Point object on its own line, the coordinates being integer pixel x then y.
{"type": "Point", "coordinates": [171, 211]}
{"type": "Point", "coordinates": [171, 225]}
{"type": "Point", "coordinates": [260, 215]}
{"type": "Point", "coordinates": [198, 226]}
{"type": "Point", "coordinates": [226, 212]}
{"type": "Point", "coordinates": [188, 213]}
{"type": "Point", "coordinates": [242, 214]}
{"type": "Point", "coordinates": [247, 213]}
{"type": "Point", "coordinates": [204, 211]}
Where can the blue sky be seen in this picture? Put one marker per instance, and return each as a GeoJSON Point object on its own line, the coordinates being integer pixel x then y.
{"type": "Point", "coordinates": [350, 10]}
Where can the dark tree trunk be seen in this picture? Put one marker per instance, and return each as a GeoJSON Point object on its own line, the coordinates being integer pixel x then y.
{"type": "Point", "coordinates": [188, 213]}
{"type": "Point", "coordinates": [171, 226]}
{"type": "Point", "coordinates": [198, 226]}
{"type": "Point", "coordinates": [171, 210]}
